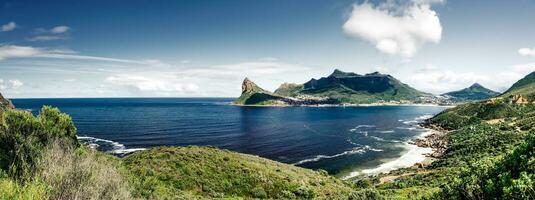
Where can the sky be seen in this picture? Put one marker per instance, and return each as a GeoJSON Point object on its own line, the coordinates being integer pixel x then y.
{"type": "Point", "coordinates": [205, 48]}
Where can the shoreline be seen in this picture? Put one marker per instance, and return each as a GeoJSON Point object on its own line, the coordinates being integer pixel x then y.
{"type": "Point", "coordinates": [421, 152]}
{"type": "Point", "coordinates": [344, 105]}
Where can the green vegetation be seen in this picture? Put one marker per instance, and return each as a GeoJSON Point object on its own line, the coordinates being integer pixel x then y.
{"type": "Point", "coordinates": [289, 89]}
{"type": "Point", "coordinates": [472, 93]}
{"type": "Point", "coordinates": [168, 172]}
{"type": "Point", "coordinates": [525, 86]}
{"type": "Point", "coordinates": [40, 158]}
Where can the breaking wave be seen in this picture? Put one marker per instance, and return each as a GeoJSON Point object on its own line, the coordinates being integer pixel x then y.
{"type": "Point", "coordinates": [107, 146]}
{"type": "Point", "coordinates": [355, 150]}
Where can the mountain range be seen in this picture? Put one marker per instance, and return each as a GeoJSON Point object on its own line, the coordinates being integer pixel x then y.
{"type": "Point", "coordinates": [351, 88]}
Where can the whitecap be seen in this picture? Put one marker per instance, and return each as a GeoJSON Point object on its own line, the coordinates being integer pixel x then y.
{"type": "Point", "coordinates": [107, 146]}
{"type": "Point", "coordinates": [377, 138]}
{"type": "Point", "coordinates": [361, 126]}
{"type": "Point", "coordinates": [355, 150]}
{"type": "Point", "coordinates": [387, 131]}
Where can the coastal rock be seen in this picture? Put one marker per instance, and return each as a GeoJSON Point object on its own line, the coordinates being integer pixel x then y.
{"type": "Point", "coordinates": [5, 104]}
{"type": "Point", "coordinates": [248, 86]}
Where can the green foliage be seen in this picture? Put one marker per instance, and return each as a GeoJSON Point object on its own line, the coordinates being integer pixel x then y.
{"type": "Point", "coordinates": [366, 194]}
{"type": "Point", "coordinates": [172, 172]}
{"type": "Point", "coordinates": [11, 190]}
{"type": "Point", "coordinates": [509, 177]}
{"type": "Point", "coordinates": [525, 86]}
{"type": "Point", "coordinates": [23, 137]}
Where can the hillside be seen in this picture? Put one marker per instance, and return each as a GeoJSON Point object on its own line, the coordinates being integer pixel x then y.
{"type": "Point", "coordinates": [473, 93]}
{"type": "Point", "coordinates": [488, 153]}
{"type": "Point", "coordinates": [342, 87]}
{"type": "Point", "coordinates": [5, 104]}
{"type": "Point", "coordinates": [524, 87]}
{"type": "Point", "coordinates": [193, 172]}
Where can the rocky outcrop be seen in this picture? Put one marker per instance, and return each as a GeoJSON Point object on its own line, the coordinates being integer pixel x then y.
{"type": "Point", "coordinates": [5, 104]}
{"type": "Point", "coordinates": [248, 86]}
{"type": "Point", "coordinates": [518, 99]}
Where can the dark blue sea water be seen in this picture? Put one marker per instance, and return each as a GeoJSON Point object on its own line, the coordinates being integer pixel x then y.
{"type": "Point", "coordinates": [337, 139]}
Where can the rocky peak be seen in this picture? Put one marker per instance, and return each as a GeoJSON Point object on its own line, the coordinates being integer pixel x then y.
{"type": "Point", "coordinates": [341, 74]}
{"type": "Point", "coordinates": [249, 86]}
{"type": "Point", "coordinates": [475, 85]}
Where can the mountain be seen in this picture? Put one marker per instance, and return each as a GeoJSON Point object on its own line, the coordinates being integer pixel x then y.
{"type": "Point", "coordinates": [524, 87]}
{"type": "Point", "coordinates": [252, 94]}
{"type": "Point", "coordinates": [338, 88]}
{"type": "Point", "coordinates": [5, 104]}
{"type": "Point", "coordinates": [472, 93]}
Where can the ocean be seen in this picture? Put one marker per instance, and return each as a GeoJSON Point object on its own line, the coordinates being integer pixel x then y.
{"type": "Point", "coordinates": [345, 141]}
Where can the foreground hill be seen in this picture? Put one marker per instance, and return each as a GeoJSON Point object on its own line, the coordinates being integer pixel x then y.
{"type": "Point", "coordinates": [473, 93]}
{"type": "Point", "coordinates": [338, 88]}
{"type": "Point", "coordinates": [194, 172]}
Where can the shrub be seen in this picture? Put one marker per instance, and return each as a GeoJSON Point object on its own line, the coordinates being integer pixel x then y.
{"type": "Point", "coordinates": [80, 174]}
{"type": "Point", "coordinates": [23, 137]}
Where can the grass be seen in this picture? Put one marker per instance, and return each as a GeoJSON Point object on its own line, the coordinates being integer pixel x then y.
{"type": "Point", "coordinates": [168, 172]}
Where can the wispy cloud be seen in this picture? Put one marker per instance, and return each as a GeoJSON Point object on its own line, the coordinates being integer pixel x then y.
{"type": "Point", "coordinates": [47, 38]}
{"type": "Point", "coordinates": [395, 28]}
{"type": "Point", "coordinates": [55, 33]}
{"type": "Point", "coordinates": [8, 27]}
{"type": "Point", "coordinates": [15, 51]}
{"type": "Point", "coordinates": [527, 52]}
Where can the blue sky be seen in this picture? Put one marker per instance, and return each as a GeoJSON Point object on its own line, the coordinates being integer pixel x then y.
{"type": "Point", "coordinates": [206, 48]}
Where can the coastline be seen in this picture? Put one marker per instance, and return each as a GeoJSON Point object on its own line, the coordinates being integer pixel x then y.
{"type": "Point", "coordinates": [421, 151]}
{"type": "Point", "coordinates": [342, 105]}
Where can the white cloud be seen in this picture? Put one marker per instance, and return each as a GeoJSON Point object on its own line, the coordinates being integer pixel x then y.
{"type": "Point", "coordinates": [431, 79]}
{"type": "Point", "coordinates": [10, 84]}
{"type": "Point", "coordinates": [527, 52]}
{"type": "Point", "coordinates": [156, 85]}
{"type": "Point", "coordinates": [8, 27]}
{"type": "Point", "coordinates": [13, 51]}
{"type": "Point", "coordinates": [47, 38]}
{"type": "Point", "coordinates": [60, 29]}
{"type": "Point", "coordinates": [396, 29]}
{"type": "Point", "coordinates": [55, 33]}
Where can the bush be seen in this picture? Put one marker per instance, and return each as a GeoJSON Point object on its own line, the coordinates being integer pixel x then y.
{"type": "Point", "coordinates": [23, 137]}
{"type": "Point", "coordinates": [80, 174]}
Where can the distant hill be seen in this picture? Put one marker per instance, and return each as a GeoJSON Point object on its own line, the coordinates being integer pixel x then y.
{"type": "Point", "coordinates": [339, 87]}
{"type": "Point", "coordinates": [472, 93]}
{"type": "Point", "coordinates": [524, 87]}
{"type": "Point", "coordinates": [5, 104]}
